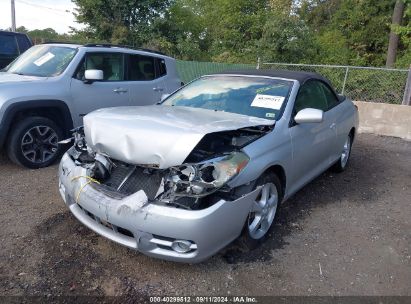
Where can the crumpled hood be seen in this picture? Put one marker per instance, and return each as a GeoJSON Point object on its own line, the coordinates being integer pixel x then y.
{"type": "Point", "coordinates": [157, 135]}
{"type": "Point", "coordinates": [10, 77]}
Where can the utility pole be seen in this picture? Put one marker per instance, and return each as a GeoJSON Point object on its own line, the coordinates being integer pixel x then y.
{"type": "Point", "coordinates": [407, 92]}
{"type": "Point", "coordinates": [13, 16]}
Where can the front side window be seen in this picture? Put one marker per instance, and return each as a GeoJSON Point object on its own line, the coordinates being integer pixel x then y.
{"type": "Point", "coordinates": [310, 95]}
{"type": "Point", "coordinates": [110, 63]}
{"type": "Point", "coordinates": [8, 45]}
{"type": "Point", "coordinates": [141, 68]}
{"type": "Point", "coordinates": [252, 96]}
{"type": "Point", "coordinates": [43, 60]}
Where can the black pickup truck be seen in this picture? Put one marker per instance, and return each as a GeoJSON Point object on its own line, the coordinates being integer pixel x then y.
{"type": "Point", "coordinates": [11, 46]}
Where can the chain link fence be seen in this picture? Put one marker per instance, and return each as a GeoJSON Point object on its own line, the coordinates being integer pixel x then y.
{"type": "Point", "coordinates": [358, 83]}
{"type": "Point", "coordinates": [190, 70]}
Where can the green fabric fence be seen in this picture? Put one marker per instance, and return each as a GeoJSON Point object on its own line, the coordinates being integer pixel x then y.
{"type": "Point", "coordinates": [190, 70]}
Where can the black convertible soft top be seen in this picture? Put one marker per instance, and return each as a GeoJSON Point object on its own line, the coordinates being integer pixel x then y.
{"type": "Point", "coordinates": [295, 75]}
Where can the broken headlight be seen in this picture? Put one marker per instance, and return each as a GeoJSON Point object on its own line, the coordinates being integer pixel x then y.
{"type": "Point", "coordinates": [80, 152]}
{"type": "Point", "coordinates": [204, 178]}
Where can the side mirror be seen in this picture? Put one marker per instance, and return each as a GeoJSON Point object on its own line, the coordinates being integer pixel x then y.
{"type": "Point", "coordinates": [93, 75]}
{"type": "Point", "coordinates": [309, 115]}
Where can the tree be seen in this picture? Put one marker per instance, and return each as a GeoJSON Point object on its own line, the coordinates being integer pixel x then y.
{"type": "Point", "coordinates": [404, 32]}
{"type": "Point", "coordinates": [360, 26]}
{"type": "Point", "coordinates": [353, 32]}
{"type": "Point", "coordinates": [286, 38]}
{"type": "Point", "coordinates": [120, 21]}
{"type": "Point", "coordinates": [22, 29]}
{"type": "Point", "coordinates": [394, 37]}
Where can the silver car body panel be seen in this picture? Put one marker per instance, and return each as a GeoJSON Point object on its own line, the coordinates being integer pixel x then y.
{"type": "Point", "coordinates": [162, 136]}
{"type": "Point", "coordinates": [151, 225]}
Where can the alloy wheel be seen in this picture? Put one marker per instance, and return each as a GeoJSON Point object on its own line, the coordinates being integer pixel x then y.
{"type": "Point", "coordinates": [39, 144]}
{"type": "Point", "coordinates": [263, 211]}
{"type": "Point", "coordinates": [346, 152]}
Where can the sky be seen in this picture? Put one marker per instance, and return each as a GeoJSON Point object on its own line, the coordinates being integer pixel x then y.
{"type": "Point", "coordinates": [39, 14]}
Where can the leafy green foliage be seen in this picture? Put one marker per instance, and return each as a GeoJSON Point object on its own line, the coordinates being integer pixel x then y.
{"type": "Point", "coordinates": [405, 34]}
{"type": "Point", "coordinates": [120, 21]}
{"type": "Point", "coordinates": [346, 32]}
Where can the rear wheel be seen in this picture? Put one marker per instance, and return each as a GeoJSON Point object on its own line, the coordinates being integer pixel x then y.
{"type": "Point", "coordinates": [33, 142]}
{"type": "Point", "coordinates": [263, 211]}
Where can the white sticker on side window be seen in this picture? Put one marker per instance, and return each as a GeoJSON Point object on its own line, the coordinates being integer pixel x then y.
{"type": "Point", "coordinates": [43, 59]}
{"type": "Point", "coordinates": [268, 101]}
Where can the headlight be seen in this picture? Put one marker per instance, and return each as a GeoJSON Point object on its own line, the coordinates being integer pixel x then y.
{"type": "Point", "coordinates": [203, 178]}
{"type": "Point", "coordinates": [79, 141]}
{"type": "Point", "coordinates": [80, 151]}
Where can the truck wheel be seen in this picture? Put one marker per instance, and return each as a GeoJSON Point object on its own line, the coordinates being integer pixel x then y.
{"type": "Point", "coordinates": [33, 142]}
{"type": "Point", "coordinates": [263, 211]}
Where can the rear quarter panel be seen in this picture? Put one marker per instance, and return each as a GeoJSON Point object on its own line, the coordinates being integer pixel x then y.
{"type": "Point", "coordinates": [346, 119]}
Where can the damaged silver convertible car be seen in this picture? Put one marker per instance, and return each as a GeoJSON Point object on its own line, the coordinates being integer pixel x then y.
{"type": "Point", "coordinates": [211, 163]}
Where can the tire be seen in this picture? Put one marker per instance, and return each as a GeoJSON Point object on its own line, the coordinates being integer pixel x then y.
{"type": "Point", "coordinates": [33, 142]}
{"type": "Point", "coordinates": [342, 163]}
{"type": "Point", "coordinates": [251, 240]}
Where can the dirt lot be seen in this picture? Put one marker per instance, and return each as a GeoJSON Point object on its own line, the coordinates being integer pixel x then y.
{"type": "Point", "coordinates": [346, 234]}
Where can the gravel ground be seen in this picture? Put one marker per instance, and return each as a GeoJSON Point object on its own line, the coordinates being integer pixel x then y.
{"type": "Point", "coordinates": [344, 234]}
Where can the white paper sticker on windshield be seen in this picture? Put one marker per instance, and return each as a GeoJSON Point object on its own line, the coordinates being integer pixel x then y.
{"type": "Point", "coordinates": [43, 59]}
{"type": "Point", "coordinates": [268, 101]}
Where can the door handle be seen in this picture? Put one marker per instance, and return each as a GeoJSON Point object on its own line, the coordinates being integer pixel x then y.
{"type": "Point", "coordinates": [158, 89]}
{"type": "Point", "coordinates": [332, 126]}
{"type": "Point", "coordinates": [120, 90]}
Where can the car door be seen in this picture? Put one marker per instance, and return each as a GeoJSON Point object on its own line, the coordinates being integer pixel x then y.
{"type": "Point", "coordinates": [112, 91]}
{"type": "Point", "coordinates": [311, 142]}
{"type": "Point", "coordinates": [146, 79]}
{"type": "Point", "coordinates": [334, 112]}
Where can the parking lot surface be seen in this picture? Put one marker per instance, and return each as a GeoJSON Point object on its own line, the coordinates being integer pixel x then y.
{"type": "Point", "coordinates": [342, 234]}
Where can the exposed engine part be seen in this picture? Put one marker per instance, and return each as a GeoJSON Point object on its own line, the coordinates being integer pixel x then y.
{"type": "Point", "coordinates": [127, 179]}
{"type": "Point", "coordinates": [220, 143]}
{"type": "Point", "coordinates": [102, 167]}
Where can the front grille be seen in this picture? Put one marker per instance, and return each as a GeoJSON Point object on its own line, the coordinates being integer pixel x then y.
{"type": "Point", "coordinates": [128, 179]}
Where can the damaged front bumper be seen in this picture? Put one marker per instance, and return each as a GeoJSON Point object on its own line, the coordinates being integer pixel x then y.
{"type": "Point", "coordinates": [155, 230]}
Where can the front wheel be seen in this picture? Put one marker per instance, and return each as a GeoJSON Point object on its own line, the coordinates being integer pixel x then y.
{"type": "Point", "coordinates": [262, 212]}
{"type": "Point", "coordinates": [342, 162]}
{"type": "Point", "coordinates": [33, 142]}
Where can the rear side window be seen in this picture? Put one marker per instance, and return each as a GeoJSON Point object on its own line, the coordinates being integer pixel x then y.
{"type": "Point", "coordinates": [23, 42]}
{"type": "Point", "coordinates": [332, 100]}
{"type": "Point", "coordinates": [162, 70]}
{"type": "Point", "coordinates": [8, 45]}
{"type": "Point", "coordinates": [141, 68]}
{"type": "Point", "coordinates": [311, 95]}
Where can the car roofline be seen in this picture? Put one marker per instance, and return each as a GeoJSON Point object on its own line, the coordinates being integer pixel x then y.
{"type": "Point", "coordinates": [108, 46]}
{"type": "Point", "coordinates": [252, 76]}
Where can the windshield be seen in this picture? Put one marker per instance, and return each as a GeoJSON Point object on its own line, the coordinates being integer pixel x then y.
{"type": "Point", "coordinates": [252, 96]}
{"type": "Point", "coordinates": [42, 60]}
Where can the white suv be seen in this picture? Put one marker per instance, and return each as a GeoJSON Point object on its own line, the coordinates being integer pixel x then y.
{"type": "Point", "coordinates": [46, 92]}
